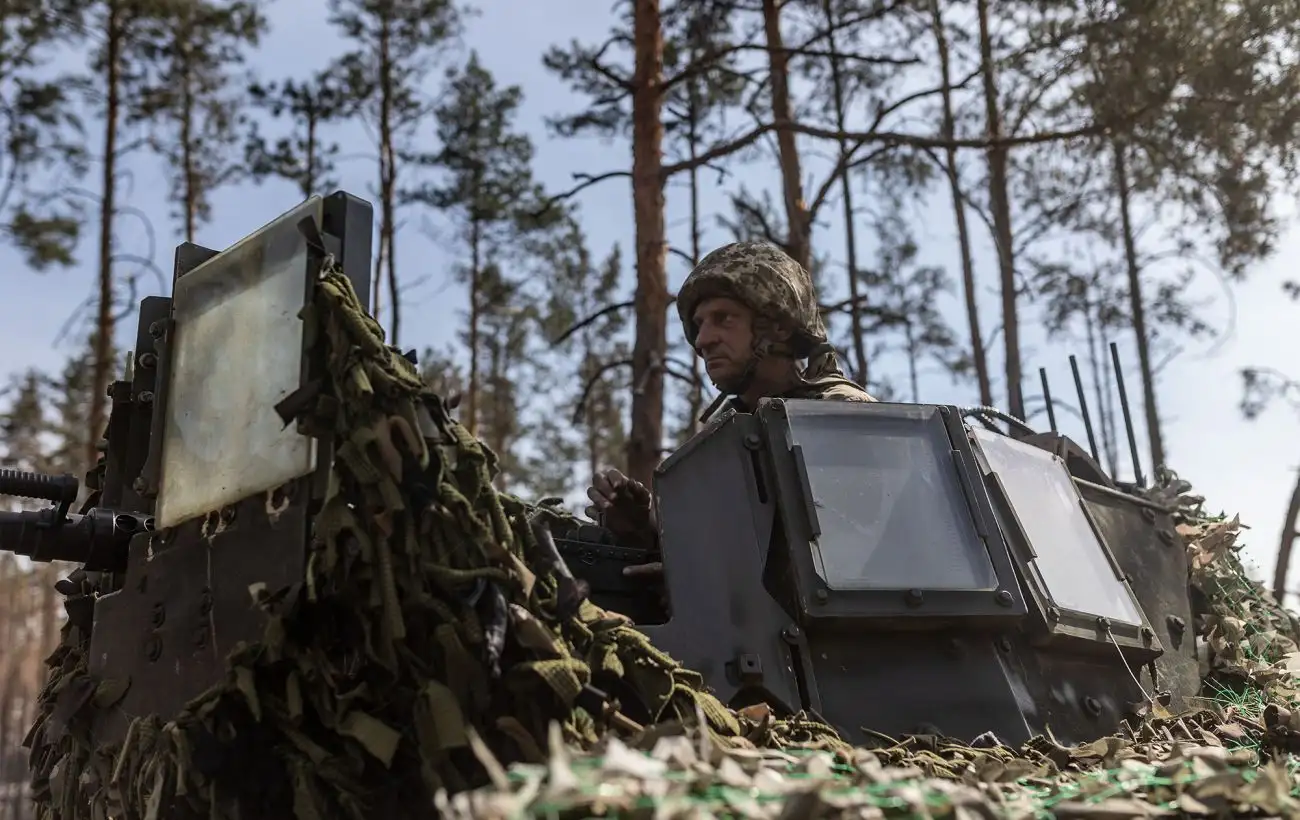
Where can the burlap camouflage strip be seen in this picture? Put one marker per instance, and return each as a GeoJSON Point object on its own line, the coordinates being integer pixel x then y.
{"type": "Point", "coordinates": [429, 623]}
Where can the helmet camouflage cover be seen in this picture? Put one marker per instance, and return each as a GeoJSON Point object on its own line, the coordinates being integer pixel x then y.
{"type": "Point", "coordinates": [763, 278]}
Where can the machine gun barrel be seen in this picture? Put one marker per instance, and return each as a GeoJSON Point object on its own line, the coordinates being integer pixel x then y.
{"type": "Point", "coordinates": [97, 539]}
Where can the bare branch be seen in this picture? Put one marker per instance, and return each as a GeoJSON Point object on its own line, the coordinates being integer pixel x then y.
{"type": "Point", "coordinates": [681, 254]}
{"type": "Point", "coordinates": [581, 323]}
{"type": "Point", "coordinates": [581, 406]}
{"type": "Point", "coordinates": [585, 181]}
{"type": "Point", "coordinates": [606, 72]}
{"type": "Point", "coordinates": [847, 159]}
{"type": "Point", "coordinates": [889, 138]}
{"type": "Point", "coordinates": [717, 152]}
{"type": "Point", "coordinates": [711, 58]}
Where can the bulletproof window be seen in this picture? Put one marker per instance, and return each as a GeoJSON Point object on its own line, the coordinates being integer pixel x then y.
{"type": "Point", "coordinates": [1068, 559]}
{"type": "Point", "coordinates": [236, 350]}
{"type": "Point", "coordinates": [889, 507]}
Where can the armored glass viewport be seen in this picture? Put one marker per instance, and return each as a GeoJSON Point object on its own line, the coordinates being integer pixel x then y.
{"type": "Point", "coordinates": [1071, 563]}
{"type": "Point", "coordinates": [236, 350]}
{"type": "Point", "coordinates": [889, 507]}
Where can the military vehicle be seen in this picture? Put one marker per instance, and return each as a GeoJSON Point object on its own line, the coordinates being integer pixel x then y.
{"type": "Point", "coordinates": [892, 568]}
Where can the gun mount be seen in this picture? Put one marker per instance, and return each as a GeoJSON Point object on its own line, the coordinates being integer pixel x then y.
{"type": "Point", "coordinates": [218, 489]}
{"type": "Point", "coordinates": [892, 569]}
{"type": "Point", "coordinates": [96, 539]}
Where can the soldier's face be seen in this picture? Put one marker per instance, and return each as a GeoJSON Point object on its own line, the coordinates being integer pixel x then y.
{"type": "Point", "coordinates": [724, 338]}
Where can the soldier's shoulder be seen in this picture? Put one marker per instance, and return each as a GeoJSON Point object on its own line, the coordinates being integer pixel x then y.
{"type": "Point", "coordinates": [844, 391]}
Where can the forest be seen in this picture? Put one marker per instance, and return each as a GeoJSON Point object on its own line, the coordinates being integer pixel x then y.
{"type": "Point", "coordinates": [1100, 172]}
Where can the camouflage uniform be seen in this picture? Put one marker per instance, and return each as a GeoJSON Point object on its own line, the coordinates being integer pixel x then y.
{"type": "Point", "coordinates": [778, 289]}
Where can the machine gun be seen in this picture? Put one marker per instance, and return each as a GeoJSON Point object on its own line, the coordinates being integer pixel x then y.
{"type": "Point", "coordinates": [97, 539]}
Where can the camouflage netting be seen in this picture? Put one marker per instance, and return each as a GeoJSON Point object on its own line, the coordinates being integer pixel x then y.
{"type": "Point", "coordinates": [430, 631]}
{"type": "Point", "coordinates": [434, 661]}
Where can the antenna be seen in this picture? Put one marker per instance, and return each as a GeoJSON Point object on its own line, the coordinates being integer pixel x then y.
{"type": "Point", "coordinates": [1128, 418]}
{"type": "Point", "coordinates": [1047, 397]}
{"type": "Point", "coordinates": [1083, 408]}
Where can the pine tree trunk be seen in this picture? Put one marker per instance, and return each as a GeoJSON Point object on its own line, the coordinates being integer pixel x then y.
{"type": "Point", "coordinates": [1154, 433]}
{"type": "Point", "coordinates": [475, 299]}
{"type": "Point", "coordinates": [1286, 543]}
{"type": "Point", "coordinates": [104, 318]}
{"type": "Point", "coordinates": [8, 662]}
{"type": "Point", "coordinates": [856, 300]}
{"type": "Point", "coordinates": [695, 406]}
{"type": "Point", "coordinates": [590, 365]}
{"type": "Point", "coordinates": [388, 175]}
{"type": "Point", "coordinates": [651, 300]}
{"type": "Point", "coordinates": [796, 212]}
{"type": "Point", "coordinates": [190, 183]}
{"type": "Point", "coordinates": [913, 378]}
{"type": "Point", "coordinates": [1001, 205]}
{"type": "Point", "coordinates": [309, 172]}
{"type": "Point", "coordinates": [978, 353]}
{"type": "Point", "coordinates": [51, 603]}
{"type": "Point", "coordinates": [498, 428]}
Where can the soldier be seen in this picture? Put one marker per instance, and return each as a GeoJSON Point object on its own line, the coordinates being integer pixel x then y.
{"type": "Point", "coordinates": [750, 311]}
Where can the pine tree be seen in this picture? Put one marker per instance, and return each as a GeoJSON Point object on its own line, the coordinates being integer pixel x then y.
{"type": "Point", "coordinates": [24, 427]}
{"type": "Point", "coordinates": [188, 98]}
{"type": "Point", "coordinates": [939, 30]}
{"type": "Point", "coordinates": [41, 139]}
{"type": "Point", "coordinates": [910, 293]}
{"type": "Point", "coordinates": [394, 46]}
{"type": "Point", "coordinates": [442, 375]}
{"type": "Point", "coordinates": [587, 427]}
{"type": "Point", "coordinates": [115, 78]}
{"type": "Point", "coordinates": [70, 406]}
{"type": "Point", "coordinates": [1224, 144]}
{"type": "Point", "coordinates": [509, 322]}
{"type": "Point", "coordinates": [303, 156]}
{"type": "Point", "coordinates": [487, 191]}
{"type": "Point", "coordinates": [643, 87]}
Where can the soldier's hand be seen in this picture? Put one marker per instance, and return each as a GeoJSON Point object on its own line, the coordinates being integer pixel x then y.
{"type": "Point", "coordinates": [624, 502]}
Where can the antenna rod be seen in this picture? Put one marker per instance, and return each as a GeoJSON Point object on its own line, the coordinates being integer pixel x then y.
{"type": "Point", "coordinates": [1083, 408]}
{"type": "Point", "coordinates": [1047, 397]}
{"type": "Point", "coordinates": [1128, 418]}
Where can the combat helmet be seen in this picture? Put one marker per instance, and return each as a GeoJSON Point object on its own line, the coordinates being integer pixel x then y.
{"type": "Point", "coordinates": [765, 279]}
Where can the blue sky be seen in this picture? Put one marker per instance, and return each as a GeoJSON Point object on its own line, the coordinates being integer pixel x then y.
{"type": "Point", "coordinates": [1246, 467]}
